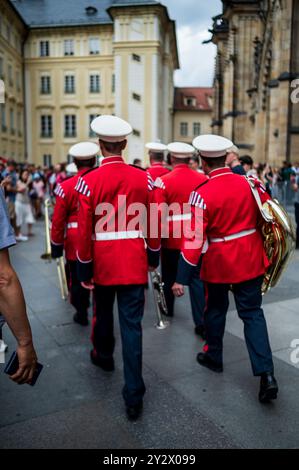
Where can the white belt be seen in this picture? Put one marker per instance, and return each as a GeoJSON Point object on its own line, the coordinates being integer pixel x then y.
{"type": "Point", "coordinates": [234, 236]}
{"type": "Point", "coordinates": [179, 217]}
{"type": "Point", "coordinates": [72, 225]}
{"type": "Point", "coordinates": [126, 235]}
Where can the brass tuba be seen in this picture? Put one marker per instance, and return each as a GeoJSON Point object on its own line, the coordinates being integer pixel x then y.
{"type": "Point", "coordinates": [47, 255]}
{"type": "Point", "coordinates": [279, 238]}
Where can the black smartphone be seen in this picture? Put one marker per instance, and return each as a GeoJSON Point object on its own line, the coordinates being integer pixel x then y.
{"type": "Point", "coordinates": [13, 365]}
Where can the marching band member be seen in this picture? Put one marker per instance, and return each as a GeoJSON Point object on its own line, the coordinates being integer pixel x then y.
{"type": "Point", "coordinates": [64, 232]}
{"type": "Point", "coordinates": [226, 214]}
{"type": "Point", "coordinates": [175, 188]}
{"type": "Point", "coordinates": [112, 256]}
{"type": "Point", "coordinates": [156, 157]}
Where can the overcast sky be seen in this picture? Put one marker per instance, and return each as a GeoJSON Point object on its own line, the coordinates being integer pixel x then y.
{"type": "Point", "coordinates": [193, 19]}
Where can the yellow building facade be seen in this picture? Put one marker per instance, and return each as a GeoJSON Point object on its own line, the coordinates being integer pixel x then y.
{"type": "Point", "coordinates": [192, 113]}
{"type": "Point", "coordinates": [12, 36]}
{"type": "Point", "coordinates": [117, 58]}
{"type": "Point", "coordinates": [257, 63]}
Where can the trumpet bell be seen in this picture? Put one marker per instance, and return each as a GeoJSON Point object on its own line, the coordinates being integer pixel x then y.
{"type": "Point", "coordinates": [159, 299]}
{"type": "Point", "coordinates": [162, 324]}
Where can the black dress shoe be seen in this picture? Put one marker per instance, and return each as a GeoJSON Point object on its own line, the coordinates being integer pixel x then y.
{"type": "Point", "coordinates": [105, 364]}
{"type": "Point", "coordinates": [268, 388]}
{"type": "Point", "coordinates": [133, 412]}
{"type": "Point", "coordinates": [200, 331]}
{"type": "Point", "coordinates": [80, 319]}
{"type": "Point", "coordinates": [205, 361]}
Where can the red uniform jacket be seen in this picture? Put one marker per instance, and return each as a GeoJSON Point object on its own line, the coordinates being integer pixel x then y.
{"type": "Point", "coordinates": [64, 232]}
{"type": "Point", "coordinates": [111, 247]}
{"type": "Point", "coordinates": [222, 207]}
{"type": "Point", "coordinates": [157, 170]}
{"type": "Point", "coordinates": [174, 189]}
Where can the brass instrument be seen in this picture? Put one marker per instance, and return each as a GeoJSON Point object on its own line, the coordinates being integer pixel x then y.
{"type": "Point", "coordinates": [279, 242]}
{"type": "Point", "coordinates": [47, 255]}
{"type": "Point", "coordinates": [159, 299]}
{"type": "Point", "coordinates": [279, 238]}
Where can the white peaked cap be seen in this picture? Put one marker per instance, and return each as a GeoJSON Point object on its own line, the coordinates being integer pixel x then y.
{"type": "Point", "coordinates": [111, 128]}
{"type": "Point", "coordinates": [84, 150]}
{"type": "Point", "coordinates": [180, 150]}
{"type": "Point", "coordinates": [156, 147]}
{"type": "Point", "coordinates": [211, 145]}
{"type": "Point", "coordinates": [71, 168]}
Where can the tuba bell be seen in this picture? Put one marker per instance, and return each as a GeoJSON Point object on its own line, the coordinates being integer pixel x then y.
{"type": "Point", "coordinates": [279, 242]}
{"type": "Point", "coordinates": [279, 236]}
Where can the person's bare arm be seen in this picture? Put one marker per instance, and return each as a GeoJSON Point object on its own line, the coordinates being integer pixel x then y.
{"type": "Point", "coordinates": [13, 308]}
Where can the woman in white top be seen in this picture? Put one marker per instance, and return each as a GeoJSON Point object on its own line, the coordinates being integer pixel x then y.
{"type": "Point", "coordinates": [23, 207]}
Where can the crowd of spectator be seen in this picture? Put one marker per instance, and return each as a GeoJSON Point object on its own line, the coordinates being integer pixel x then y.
{"type": "Point", "coordinates": [25, 187]}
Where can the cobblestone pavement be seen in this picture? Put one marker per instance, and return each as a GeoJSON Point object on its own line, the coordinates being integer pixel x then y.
{"type": "Point", "coordinates": [75, 405]}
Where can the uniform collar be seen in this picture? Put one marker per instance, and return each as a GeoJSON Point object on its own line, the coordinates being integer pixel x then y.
{"type": "Point", "coordinates": [113, 159]}
{"type": "Point", "coordinates": [82, 170]}
{"type": "Point", "coordinates": [180, 166]}
{"type": "Point", "coordinates": [219, 172]}
{"type": "Point", "coordinates": [157, 164]}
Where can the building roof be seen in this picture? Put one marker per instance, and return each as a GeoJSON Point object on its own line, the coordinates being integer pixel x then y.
{"type": "Point", "coordinates": [202, 99]}
{"type": "Point", "coordinates": [51, 13]}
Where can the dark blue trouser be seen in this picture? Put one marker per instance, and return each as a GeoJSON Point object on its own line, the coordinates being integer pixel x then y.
{"type": "Point", "coordinates": [79, 295]}
{"type": "Point", "coordinates": [130, 301]}
{"type": "Point", "coordinates": [170, 259]}
{"type": "Point", "coordinates": [248, 300]}
{"type": "Point", "coordinates": [297, 222]}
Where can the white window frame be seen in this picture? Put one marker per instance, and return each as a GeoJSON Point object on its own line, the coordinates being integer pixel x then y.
{"type": "Point", "coordinates": [69, 47]}
{"type": "Point", "coordinates": [70, 125]}
{"type": "Point", "coordinates": [94, 83]}
{"type": "Point", "coordinates": [3, 117]}
{"type": "Point", "coordinates": [196, 125]}
{"type": "Point", "coordinates": [12, 121]}
{"type": "Point", "coordinates": [44, 48]}
{"type": "Point", "coordinates": [184, 129]}
{"type": "Point", "coordinates": [47, 159]}
{"type": "Point", "coordinates": [46, 126]}
{"type": "Point", "coordinates": [94, 46]}
{"type": "Point", "coordinates": [69, 84]}
{"type": "Point", "coordinates": [91, 117]}
{"type": "Point", "coordinates": [45, 85]}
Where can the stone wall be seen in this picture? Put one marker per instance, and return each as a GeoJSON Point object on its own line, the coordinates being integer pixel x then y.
{"type": "Point", "coordinates": [256, 62]}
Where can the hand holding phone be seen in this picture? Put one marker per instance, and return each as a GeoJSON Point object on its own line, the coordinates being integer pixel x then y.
{"type": "Point", "coordinates": [22, 367]}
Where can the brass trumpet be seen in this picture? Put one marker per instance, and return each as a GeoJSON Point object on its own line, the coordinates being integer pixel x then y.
{"type": "Point", "coordinates": [159, 299]}
{"type": "Point", "coordinates": [48, 257]}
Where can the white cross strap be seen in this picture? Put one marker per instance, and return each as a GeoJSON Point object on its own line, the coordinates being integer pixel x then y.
{"type": "Point", "coordinates": [234, 236]}
{"type": "Point", "coordinates": [125, 235]}
{"type": "Point", "coordinates": [179, 217]}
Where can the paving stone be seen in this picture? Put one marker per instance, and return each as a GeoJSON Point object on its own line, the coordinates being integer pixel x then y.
{"type": "Point", "coordinates": [77, 405]}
